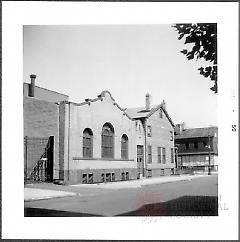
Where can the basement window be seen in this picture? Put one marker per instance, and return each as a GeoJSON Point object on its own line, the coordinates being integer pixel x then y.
{"type": "Point", "coordinates": [149, 173]}
{"type": "Point", "coordinates": [90, 178]}
{"type": "Point", "coordinates": [84, 178]}
{"type": "Point", "coordinates": [113, 176]}
{"type": "Point", "coordinates": [103, 177]}
{"type": "Point", "coordinates": [108, 177]}
{"type": "Point", "coordinates": [162, 172]}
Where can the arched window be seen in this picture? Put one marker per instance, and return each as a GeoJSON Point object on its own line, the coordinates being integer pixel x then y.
{"type": "Point", "coordinates": [107, 141]}
{"type": "Point", "coordinates": [87, 143]}
{"type": "Point", "coordinates": [124, 147]}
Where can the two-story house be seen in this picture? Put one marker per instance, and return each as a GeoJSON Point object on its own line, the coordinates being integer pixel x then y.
{"type": "Point", "coordinates": [197, 147]}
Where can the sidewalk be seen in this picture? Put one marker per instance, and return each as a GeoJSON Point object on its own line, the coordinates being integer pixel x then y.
{"type": "Point", "coordinates": [31, 194]}
{"type": "Point", "coordinates": [36, 193]}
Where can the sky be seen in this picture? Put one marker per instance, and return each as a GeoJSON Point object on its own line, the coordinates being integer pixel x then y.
{"type": "Point", "coordinates": [127, 60]}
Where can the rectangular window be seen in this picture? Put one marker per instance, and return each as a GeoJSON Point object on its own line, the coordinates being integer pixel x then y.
{"type": "Point", "coordinates": [108, 177]}
{"type": "Point", "coordinates": [90, 178]}
{"type": "Point", "coordinates": [159, 150]}
{"type": "Point", "coordinates": [195, 145]}
{"type": "Point", "coordinates": [149, 131]}
{"type": "Point", "coordinates": [164, 155]}
{"type": "Point", "coordinates": [172, 155]}
{"type": "Point", "coordinates": [172, 171]}
{"type": "Point", "coordinates": [171, 135]}
{"type": "Point", "coordinates": [103, 177]}
{"type": "Point", "coordinates": [123, 176]}
{"type": "Point", "coordinates": [127, 175]}
{"type": "Point", "coordinates": [113, 176]}
{"type": "Point", "coordinates": [187, 146]}
{"type": "Point", "coordinates": [84, 178]}
{"type": "Point", "coordinates": [149, 149]}
{"type": "Point", "coordinates": [162, 172]}
{"type": "Point", "coordinates": [149, 173]}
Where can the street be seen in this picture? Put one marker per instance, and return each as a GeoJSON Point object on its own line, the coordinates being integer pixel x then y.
{"type": "Point", "coordinates": [182, 198]}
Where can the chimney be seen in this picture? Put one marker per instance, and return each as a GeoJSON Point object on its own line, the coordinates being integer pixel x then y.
{"type": "Point", "coordinates": [164, 104]}
{"type": "Point", "coordinates": [32, 85]}
{"type": "Point", "coordinates": [147, 101]}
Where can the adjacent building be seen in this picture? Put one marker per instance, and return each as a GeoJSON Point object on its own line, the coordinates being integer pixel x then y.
{"type": "Point", "coordinates": [155, 139]}
{"type": "Point", "coordinates": [197, 147]}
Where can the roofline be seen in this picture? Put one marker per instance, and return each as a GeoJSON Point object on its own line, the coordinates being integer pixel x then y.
{"type": "Point", "coordinates": [48, 89]}
{"type": "Point", "coordinates": [99, 98]}
{"type": "Point", "coordinates": [164, 110]}
{"type": "Point", "coordinates": [179, 138]}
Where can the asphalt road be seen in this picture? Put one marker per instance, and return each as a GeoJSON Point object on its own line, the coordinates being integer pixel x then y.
{"type": "Point", "coordinates": [182, 198]}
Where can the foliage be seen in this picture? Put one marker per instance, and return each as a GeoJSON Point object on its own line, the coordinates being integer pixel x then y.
{"type": "Point", "coordinates": [203, 38]}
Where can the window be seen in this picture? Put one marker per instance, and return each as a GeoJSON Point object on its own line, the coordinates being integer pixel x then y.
{"type": "Point", "coordinates": [171, 135]}
{"type": "Point", "coordinates": [204, 144]}
{"type": "Point", "coordinates": [108, 177]}
{"type": "Point", "coordinates": [103, 177]}
{"type": "Point", "coordinates": [172, 155]}
{"type": "Point", "coordinates": [149, 131]}
{"type": "Point", "coordinates": [90, 178]}
{"type": "Point", "coordinates": [187, 146]}
{"type": "Point", "coordinates": [160, 113]}
{"type": "Point", "coordinates": [149, 173]}
{"type": "Point", "coordinates": [172, 171]}
{"type": "Point", "coordinates": [159, 152]}
{"type": "Point", "coordinates": [127, 175]}
{"type": "Point", "coordinates": [164, 155]}
{"type": "Point", "coordinates": [84, 178]}
{"type": "Point", "coordinates": [123, 176]}
{"type": "Point", "coordinates": [124, 147]}
{"type": "Point", "coordinates": [107, 141]}
{"type": "Point", "coordinates": [195, 145]}
{"type": "Point", "coordinates": [87, 143]}
{"type": "Point", "coordinates": [149, 149]}
{"type": "Point", "coordinates": [113, 176]}
{"type": "Point", "coordinates": [162, 172]}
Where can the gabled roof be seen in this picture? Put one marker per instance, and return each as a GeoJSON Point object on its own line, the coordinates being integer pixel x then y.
{"type": "Point", "coordinates": [141, 112]}
{"type": "Point", "coordinates": [197, 132]}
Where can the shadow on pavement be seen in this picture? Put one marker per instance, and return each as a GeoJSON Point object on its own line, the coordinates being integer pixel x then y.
{"type": "Point", "coordinates": [40, 212]}
{"type": "Point", "coordinates": [183, 206]}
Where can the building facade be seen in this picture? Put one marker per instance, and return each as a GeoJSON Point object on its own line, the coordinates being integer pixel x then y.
{"type": "Point", "coordinates": [157, 140]}
{"type": "Point", "coordinates": [94, 141]}
{"type": "Point", "coordinates": [197, 148]}
{"type": "Point", "coordinates": [97, 141]}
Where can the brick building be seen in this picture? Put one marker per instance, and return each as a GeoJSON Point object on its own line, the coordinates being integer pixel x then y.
{"type": "Point", "coordinates": [157, 141]}
{"type": "Point", "coordinates": [41, 131]}
{"type": "Point", "coordinates": [94, 141]}
{"type": "Point", "coordinates": [197, 148]}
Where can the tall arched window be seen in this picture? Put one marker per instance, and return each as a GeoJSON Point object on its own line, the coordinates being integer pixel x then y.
{"type": "Point", "coordinates": [124, 147]}
{"type": "Point", "coordinates": [107, 141]}
{"type": "Point", "coordinates": [87, 143]}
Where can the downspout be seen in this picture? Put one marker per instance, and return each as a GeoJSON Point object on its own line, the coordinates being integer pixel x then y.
{"type": "Point", "coordinates": [68, 139]}
{"type": "Point", "coordinates": [145, 148]}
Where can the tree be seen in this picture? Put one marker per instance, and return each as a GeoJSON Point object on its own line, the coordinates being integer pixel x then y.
{"type": "Point", "coordinates": [203, 38]}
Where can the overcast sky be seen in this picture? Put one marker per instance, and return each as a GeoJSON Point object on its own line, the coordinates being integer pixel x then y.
{"type": "Point", "coordinates": [127, 60]}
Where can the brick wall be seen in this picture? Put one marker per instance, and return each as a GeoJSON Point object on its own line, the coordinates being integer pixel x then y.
{"type": "Point", "coordinates": [41, 120]}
